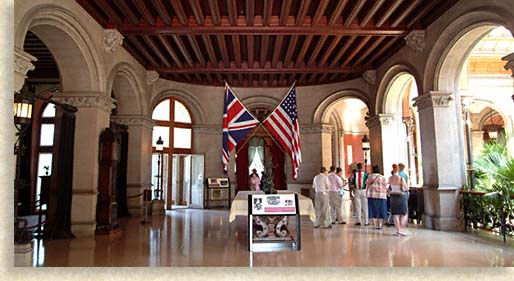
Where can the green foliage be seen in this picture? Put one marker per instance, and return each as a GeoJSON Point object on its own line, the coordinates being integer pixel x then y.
{"type": "Point", "coordinates": [494, 174]}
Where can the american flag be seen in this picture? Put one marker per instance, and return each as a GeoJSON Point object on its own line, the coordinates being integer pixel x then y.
{"type": "Point", "coordinates": [283, 124]}
{"type": "Point", "coordinates": [237, 123]}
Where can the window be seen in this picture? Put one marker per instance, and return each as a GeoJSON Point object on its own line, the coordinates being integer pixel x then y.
{"type": "Point", "coordinates": [46, 142]}
{"type": "Point", "coordinates": [174, 126]}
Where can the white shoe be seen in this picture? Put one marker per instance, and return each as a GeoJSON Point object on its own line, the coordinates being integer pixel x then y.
{"type": "Point", "coordinates": [404, 233]}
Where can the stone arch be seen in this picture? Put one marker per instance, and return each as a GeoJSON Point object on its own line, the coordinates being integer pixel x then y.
{"type": "Point", "coordinates": [456, 41]}
{"type": "Point", "coordinates": [69, 43]}
{"type": "Point", "coordinates": [260, 101]}
{"type": "Point", "coordinates": [189, 100]}
{"type": "Point", "coordinates": [128, 89]}
{"type": "Point", "coordinates": [386, 96]}
{"type": "Point", "coordinates": [321, 114]}
{"type": "Point", "coordinates": [500, 110]}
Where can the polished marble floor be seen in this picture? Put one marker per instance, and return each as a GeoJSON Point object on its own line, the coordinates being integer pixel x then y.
{"type": "Point", "coordinates": [205, 238]}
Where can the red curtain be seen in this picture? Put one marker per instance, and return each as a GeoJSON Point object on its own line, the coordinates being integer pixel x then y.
{"type": "Point", "coordinates": [278, 164]}
{"type": "Point", "coordinates": [242, 164]}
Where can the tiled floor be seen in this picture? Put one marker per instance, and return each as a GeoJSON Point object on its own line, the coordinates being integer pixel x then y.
{"type": "Point", "coordinates": [205, 238]}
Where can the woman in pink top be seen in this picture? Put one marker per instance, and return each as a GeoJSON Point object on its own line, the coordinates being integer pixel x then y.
{"type": "Point", "coordinates": [376, 192]}
{"type": "Point", "coordinates": [255, 181]}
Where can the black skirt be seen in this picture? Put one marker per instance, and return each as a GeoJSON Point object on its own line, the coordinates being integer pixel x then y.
{"type": "Point", "coordinates": [398, 204]}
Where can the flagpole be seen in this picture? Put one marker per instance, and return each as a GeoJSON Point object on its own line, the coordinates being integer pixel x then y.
{"type": "Point", "coordinates": [230, 88]}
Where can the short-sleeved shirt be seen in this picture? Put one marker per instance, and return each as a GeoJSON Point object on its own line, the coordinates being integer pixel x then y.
{"type": "Point", "coordinates": [404, 176]}
{"type": "Point", "coordinates": [336, 183]}
{"type": "Point", "coordinates": [376, 186]}
{"type": "Point", "coordinates": [320, 183]}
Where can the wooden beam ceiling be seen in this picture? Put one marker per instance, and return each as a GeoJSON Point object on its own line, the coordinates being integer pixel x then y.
{"type": "Point", "coordinates": [266, 42]}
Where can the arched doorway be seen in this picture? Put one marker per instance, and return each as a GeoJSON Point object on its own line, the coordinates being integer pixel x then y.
{"type": "Point", "coordinates": [177, 173]}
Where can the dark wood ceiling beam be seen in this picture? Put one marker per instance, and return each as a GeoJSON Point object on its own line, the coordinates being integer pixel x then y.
{"type": "Point", "coordinates": [161, 10]}
{"type": "Point", "coordinates": [196, 8]}
{"type": "Point", "coordinates": [141, 49]}
{"type": "Point", "coordinates": [94, 13]}
{"type": "Point", "coordinates": [284, 12]}
{"type": "Point", "coordinates": [125, 9]}
{"type": "Point", "coordinates": [389, 12]}
{"type": "Point", "coordinates": [356, 50]}
{"type": "Point", "coordinates": [371, 12]}
{"type": "Point", "coordinates": [209, 78]}
{"type": "Point", "coordinates": [303, 50]}
{"type": "Point", "coordinates": [166, 43]}
{"type": "Point", "coordinates": [128, 46]}
{"type": "Point", "coordinates": [322, 29]}
{"type": "Point", "coordinates": [277, 50]}
{"type": "Point", "coordinates": [337, 12]}
{"type": "Point", "coordinates": [111, 14]}
{"type": "Point", "coordinates": [290, 50]}
{"type": "Point", "coordinates": [342, 51]}
{"type": "Point", "coordinates": [316, 50]}
{"type": "Point", "coordinates": [250, 46]}
{"type": "Point", "coordinates": [232, 11]}
{"type": "Point", "coordinates": [329, 50]}
{"type": "Point", "coordinates": [223, 48]}
{"type": "Point", "coordinates": [268, 8]}
{"type": "Point", "coordinates": [210, 50]}
{"type": "Point", "coordinates": [302, 80]}
{"type": "Point", "coordinates": [143, 9]}
{"type": "Point", "coordinates": [312, 79]}
{"type": "Point", "coordinates": [260, 70]}
{"type": "Point", "coordinates": [264, 49]}
{"type": "Point", "coordinates": [320, 11]}
{"type": "Point", "coordinates": [381, 51]}
{"type": "Point", "coordinates": [250, 12]}
{"type": "Point", "coordinates": [149, 41]}
{"type": "Point", "coordinates": [355, 11]}
{"type": "Point", "coordinates": [179, 11]}
{"type": "Point", "coordinates": [215, 12]}
{"type": "Point", "coordinates": [369, 50]}
{"type": "Point", "coordinates": [405, 13]}
{"type": "Point", "coordinates": [196, 49]}
{"type": "Point", "coordinates": [183, 49]}
{"type": "Point", "coordinates": [236, 45]}
{"type": "Point", "coordinates": [429, 7]}
{"type": "Point", "coordinates": [302, 11]}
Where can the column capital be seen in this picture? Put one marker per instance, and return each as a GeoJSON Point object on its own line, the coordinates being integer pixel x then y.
{"type": "Point", "coordinates": [433, 99]}
{"type": "Point", "coordinates": [86, 99]}
{"type": "Point", "coordinates": [23, 61]}
{"type": "Point", "coordinates": [382, 119]}
{"type": "Point", "coordinates": [112, 40]}
{"type": "Point", "coordinates": [416, 40]}
{"type": "Point", "coordinates": [134, 120]}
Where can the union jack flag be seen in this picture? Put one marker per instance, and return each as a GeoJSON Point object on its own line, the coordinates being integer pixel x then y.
{"type": "Point", "coordinates": [237, 123]}
{"type": "Point", "coordinates": [283, 125]}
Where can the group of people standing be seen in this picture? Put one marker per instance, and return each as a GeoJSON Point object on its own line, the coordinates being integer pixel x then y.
{"type": "Point", "coordinates": [369, 194]}
{"type": "Point", "coordinates": [328, 199]}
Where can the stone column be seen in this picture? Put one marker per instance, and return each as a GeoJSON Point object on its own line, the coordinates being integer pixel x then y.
{"type": "Point", "coordinates": [92, 117]}
{"type": "Point", "coordinates": [139, 159]}
{"type": "Point", "coordinates": [326, 145]}
{"type": "Point", "coordinates": [22, 64]}
{"type": "Point", "coordinates": [444, 168]}
{"type": "Point", "coordinates": [477, 141]}
{"type": "Point", "coordinates": [382, 135]}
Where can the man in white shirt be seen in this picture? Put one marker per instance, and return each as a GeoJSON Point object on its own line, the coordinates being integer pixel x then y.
{"type": "Point", "coordinates": [321, 202]}
{"type": "Point", "coordinates": [336, 184]}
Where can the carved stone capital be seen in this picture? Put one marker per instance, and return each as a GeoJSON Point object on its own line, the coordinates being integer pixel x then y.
{"type": "Point", "coordinates": [510, 63]}
{"type": "Point", "coordinates": [133, 120]}
{"type": "Point", "coordinates": [112, 39]}
{"type": "Point", "coordinates": [416, 40]}
{"type": "Point", "coordinates": [370, 76]}
{"type": "Point", "coordinates": [87, 100]}
{"type": "Point", "coordinates": [383, 119]}
{"type": "Point", "coordinates": [151, 77]}
{"type": "Point", "coordinates": [207, 129]}
{"type": "Point", "coordinates": [433, 99]}
{"type": "Point", "coordinates": [23, 61]}
{"type": "Point", "coordinates": [409, 123]}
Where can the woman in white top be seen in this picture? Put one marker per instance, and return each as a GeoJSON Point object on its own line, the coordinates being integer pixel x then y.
{"type": "Point", "coordinates": [255, 181]}
{"type": "Point", "coordinates": [397, 187]}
